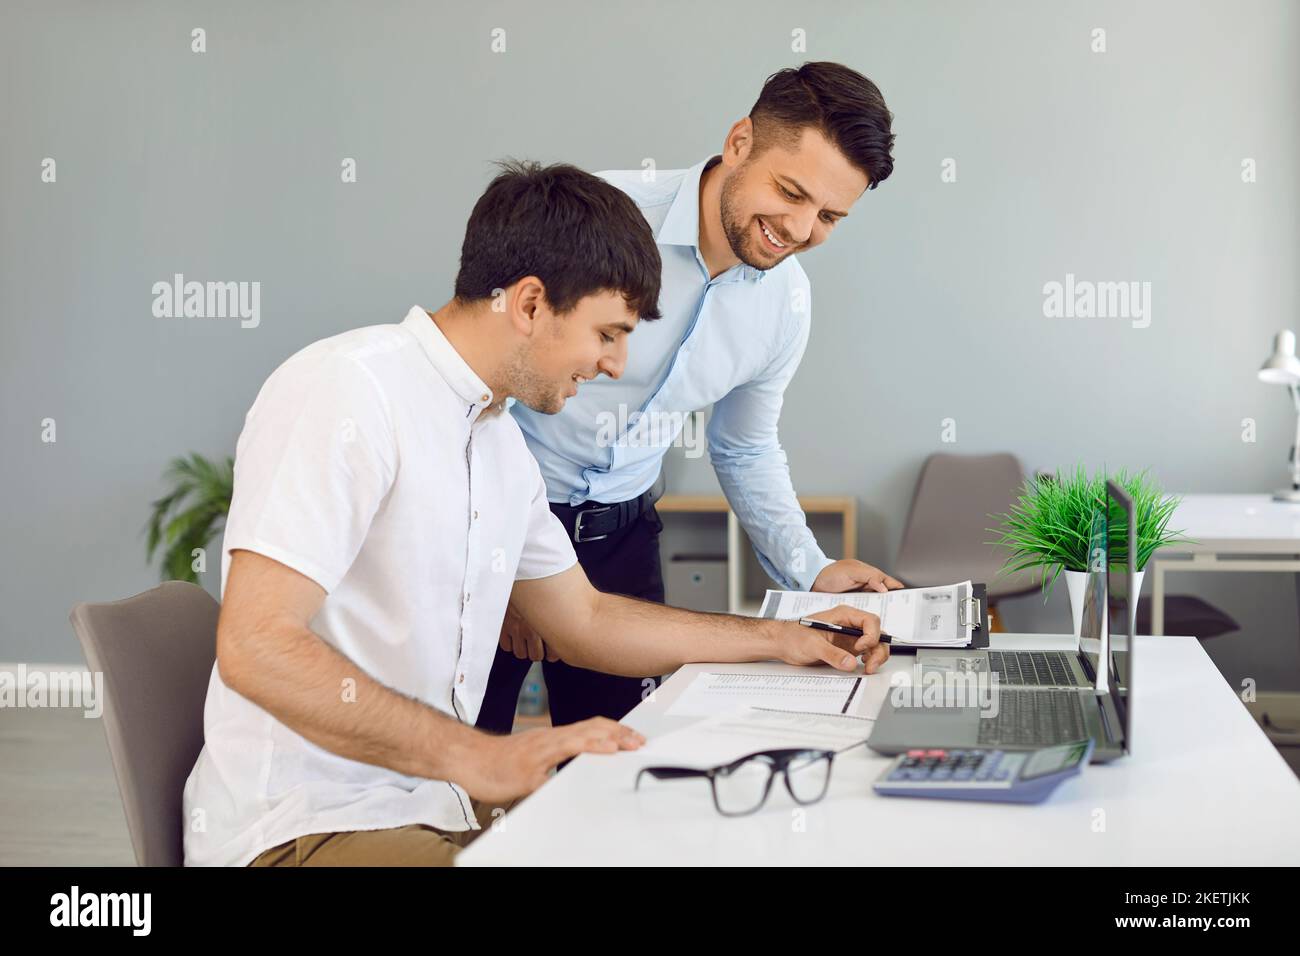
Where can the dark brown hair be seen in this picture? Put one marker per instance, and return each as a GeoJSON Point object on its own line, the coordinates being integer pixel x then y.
{"type": "Point", "coordinates": [840, 103]}
{"type": "Point", "coordinates": [572, 230]}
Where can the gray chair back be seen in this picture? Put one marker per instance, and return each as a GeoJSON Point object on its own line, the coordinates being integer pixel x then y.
{"type": "Point", "coordinates": [946, 537]}
{"type": "Point", "coordinates": [156, 652]}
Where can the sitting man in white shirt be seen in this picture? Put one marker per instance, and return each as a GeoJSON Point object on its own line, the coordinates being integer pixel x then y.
{"type": "Point", "coordinates": [385, 511]}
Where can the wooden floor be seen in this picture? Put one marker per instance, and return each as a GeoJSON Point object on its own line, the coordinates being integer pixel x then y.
{"type": "Point", "coordinates": [59, 804]}
{"type": "Point", "coordinates": [58, 798]}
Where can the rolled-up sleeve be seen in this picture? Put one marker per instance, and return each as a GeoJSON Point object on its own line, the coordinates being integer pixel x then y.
{"type": "Point", "coordinates": [752, 468]}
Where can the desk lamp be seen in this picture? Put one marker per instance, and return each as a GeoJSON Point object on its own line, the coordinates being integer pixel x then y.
{"type": "Point", "coordinates": [1283, 368]}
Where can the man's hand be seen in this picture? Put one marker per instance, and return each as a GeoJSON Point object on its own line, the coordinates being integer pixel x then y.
{"type": "Point", "coordinates": [850, 575]}
{"type": "Point", "coordinates": [503, 768]}
{"type": "Point", "coordinates": [518, 637]}
{"type": "Point", "coordinates": [807, 645]}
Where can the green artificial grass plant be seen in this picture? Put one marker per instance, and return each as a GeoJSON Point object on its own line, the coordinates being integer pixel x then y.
{"type": "Point", "coordinates": [1049, 525]}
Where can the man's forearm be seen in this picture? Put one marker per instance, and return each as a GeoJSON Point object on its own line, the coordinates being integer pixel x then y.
{"type": "Point", "coordinates": [633, 638]}
{"type": "Point", "coordinates": [291, 673]}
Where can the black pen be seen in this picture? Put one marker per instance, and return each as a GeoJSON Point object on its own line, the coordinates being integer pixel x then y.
{"type": "Point", "coordinates": [839, 629]}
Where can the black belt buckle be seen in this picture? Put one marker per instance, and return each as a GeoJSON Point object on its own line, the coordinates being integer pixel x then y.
{"type": "Point", "coordinates": [577, 525]}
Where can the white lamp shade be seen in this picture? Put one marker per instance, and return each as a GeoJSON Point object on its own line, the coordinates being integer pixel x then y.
{"type": "Point", "coordinates": [1282, 367]}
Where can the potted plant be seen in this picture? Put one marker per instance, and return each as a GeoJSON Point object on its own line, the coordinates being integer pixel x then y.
{"type": "Point", "coordinates": [188, 517]}
{"type": "Point", "coordinates": [1051, 524]}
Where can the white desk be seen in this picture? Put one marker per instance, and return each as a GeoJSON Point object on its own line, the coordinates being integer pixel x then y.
{"type": "Point", "coordinates": [1226, 529]}
{"type": "Point", "coordinates": [1204, 787]}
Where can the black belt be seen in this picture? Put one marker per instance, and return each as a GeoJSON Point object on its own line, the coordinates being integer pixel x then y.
{"type": "Point", "coordinates": [594, 521]}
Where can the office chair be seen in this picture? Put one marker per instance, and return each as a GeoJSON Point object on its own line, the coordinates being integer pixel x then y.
{"type": "Point", "coordinates": [156, 652]}
{"type": "Point", "coordinates": [946, 537]}
{"type": "Point", "coordinates": [1187, 614]}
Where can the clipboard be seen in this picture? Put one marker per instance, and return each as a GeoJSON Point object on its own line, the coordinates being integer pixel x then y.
{"type": "Point", "coordinates": [975, 610]}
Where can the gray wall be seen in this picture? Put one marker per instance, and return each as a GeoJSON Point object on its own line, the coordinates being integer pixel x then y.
{"type": "Point", "coordinates": [928, 304]}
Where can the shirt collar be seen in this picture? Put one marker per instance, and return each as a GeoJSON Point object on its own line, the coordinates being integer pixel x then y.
{"type": "Point", "coordinates": [464, 381]}
{"type": "Point", "coordinates": [681, 226]}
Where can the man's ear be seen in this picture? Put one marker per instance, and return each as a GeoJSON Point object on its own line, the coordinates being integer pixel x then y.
{"type": "Point", "coordinates": [526, 304]}
{"type": "Point", "coordinates": [739, 142]}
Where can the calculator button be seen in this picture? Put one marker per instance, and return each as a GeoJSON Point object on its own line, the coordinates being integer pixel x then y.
{"type": "Point", "coordinates": [943, 773]}
{"type": "Point", "coordinates": [963, 775]}
{"type": "Point", "coordinates": [936, 753]}
{"type": "Point", "coordinates": [916, 753]}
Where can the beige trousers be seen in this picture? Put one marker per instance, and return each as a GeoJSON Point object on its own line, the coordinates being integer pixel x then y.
{"type": "Point", "coordinates": [414, 845]}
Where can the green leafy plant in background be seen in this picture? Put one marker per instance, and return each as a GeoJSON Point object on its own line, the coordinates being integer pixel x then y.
{"type": "Point", "coordinates": [1050, 524]}
{"type": "Point", "coordinates": [191, 514]}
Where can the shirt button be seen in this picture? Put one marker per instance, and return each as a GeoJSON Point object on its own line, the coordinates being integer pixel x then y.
{"type": "Point", "coordinates": [460, 679]}
{"type": "Point", "coordinates": [475, 515]}
{"type": "Point", "coordinates": [466, 597]}
{"type": "Point", "coordinates": [484, 398]}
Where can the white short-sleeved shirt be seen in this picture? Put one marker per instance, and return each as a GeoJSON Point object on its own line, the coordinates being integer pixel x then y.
{"type": "Point", "coordinates": [378, 464]}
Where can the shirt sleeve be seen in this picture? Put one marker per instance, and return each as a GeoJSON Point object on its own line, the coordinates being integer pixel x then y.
{"type": "Point", "coordinates": [547, 549]}
{"type": "Point", "coordinates": [314, 462]}
{"type": "Point", "coordinates": [754, 473]}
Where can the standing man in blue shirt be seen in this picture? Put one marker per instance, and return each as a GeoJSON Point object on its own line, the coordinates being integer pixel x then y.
{"type": "Point", "coordinates": [736, 310]}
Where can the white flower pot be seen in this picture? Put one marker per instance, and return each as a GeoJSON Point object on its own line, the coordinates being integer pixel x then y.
{"type": "Point", "coordinates": [1077, 581]}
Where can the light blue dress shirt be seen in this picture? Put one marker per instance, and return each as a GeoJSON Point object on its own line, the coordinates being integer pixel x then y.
{"type": "Point", "coordinates": [732, 342]}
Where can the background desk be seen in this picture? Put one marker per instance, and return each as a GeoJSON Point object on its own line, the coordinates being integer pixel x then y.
{"type": "Point", "coordinates": [1205, 786]}
{"type": "Point", "coordinates": [1232, 533]}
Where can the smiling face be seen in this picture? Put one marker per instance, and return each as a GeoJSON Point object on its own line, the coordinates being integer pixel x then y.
{"type": "Point", "coordinates": [563, 351]}
{"type": "Point", "coordinates": [787, 197]}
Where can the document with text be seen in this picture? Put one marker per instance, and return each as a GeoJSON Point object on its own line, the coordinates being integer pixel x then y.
{"type": "Point", "coordinates": [746, 730]}
{"type": "Point", "coordinates": [714, 693]}
{"type": "Point", "coordinates": [929, 617]}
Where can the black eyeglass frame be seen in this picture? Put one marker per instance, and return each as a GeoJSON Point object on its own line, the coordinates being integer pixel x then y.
{"type": "Point", "coordinates": [778, 762]}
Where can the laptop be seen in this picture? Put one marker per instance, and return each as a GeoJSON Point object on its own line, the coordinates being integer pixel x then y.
{"type": "Point", "coordinates": [1041, 698]}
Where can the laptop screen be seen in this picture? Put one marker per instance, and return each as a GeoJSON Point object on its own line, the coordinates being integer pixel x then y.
{"type": "Point", "coordinates": [1123, 596]}
{"type": "Point", "coordinates": [1092, 630]}
{"type": "Point", "coordinates": [1109, 604]}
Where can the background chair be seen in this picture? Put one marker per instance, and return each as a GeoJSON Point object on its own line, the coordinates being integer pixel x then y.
{"type": "Point", "coordinates": [156, 652]}
{"type": "Point", "coordinates": [946, 536]}
{"type": "Point", "coordinates": [1187, 614]}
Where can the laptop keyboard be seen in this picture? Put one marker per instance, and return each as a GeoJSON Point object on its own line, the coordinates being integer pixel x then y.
{"type": "Point", "coordinates": [1038, 718]}
{"type": "Point", "coordinates": [1033, 668]}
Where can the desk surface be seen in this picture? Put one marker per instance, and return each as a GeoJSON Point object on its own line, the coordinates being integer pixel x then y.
{"type": "Point", "coordinates": [1204, 786]}
{"type": "Point", "coordinates": [1237, 523]}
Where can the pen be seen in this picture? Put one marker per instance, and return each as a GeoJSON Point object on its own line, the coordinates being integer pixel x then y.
{"type": "Point", "coordinates": [839, 629]}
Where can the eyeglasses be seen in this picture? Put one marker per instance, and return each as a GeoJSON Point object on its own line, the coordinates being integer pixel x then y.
{"type": "Point", "coordinates": [741, 787]}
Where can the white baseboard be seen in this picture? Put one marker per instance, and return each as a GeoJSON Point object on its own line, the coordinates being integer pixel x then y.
{"type": "Point", "coordinates": [77, 668]}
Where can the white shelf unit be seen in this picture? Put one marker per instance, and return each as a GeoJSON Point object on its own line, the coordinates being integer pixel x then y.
{"type": "Point", "coordinates": [737, 602]}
